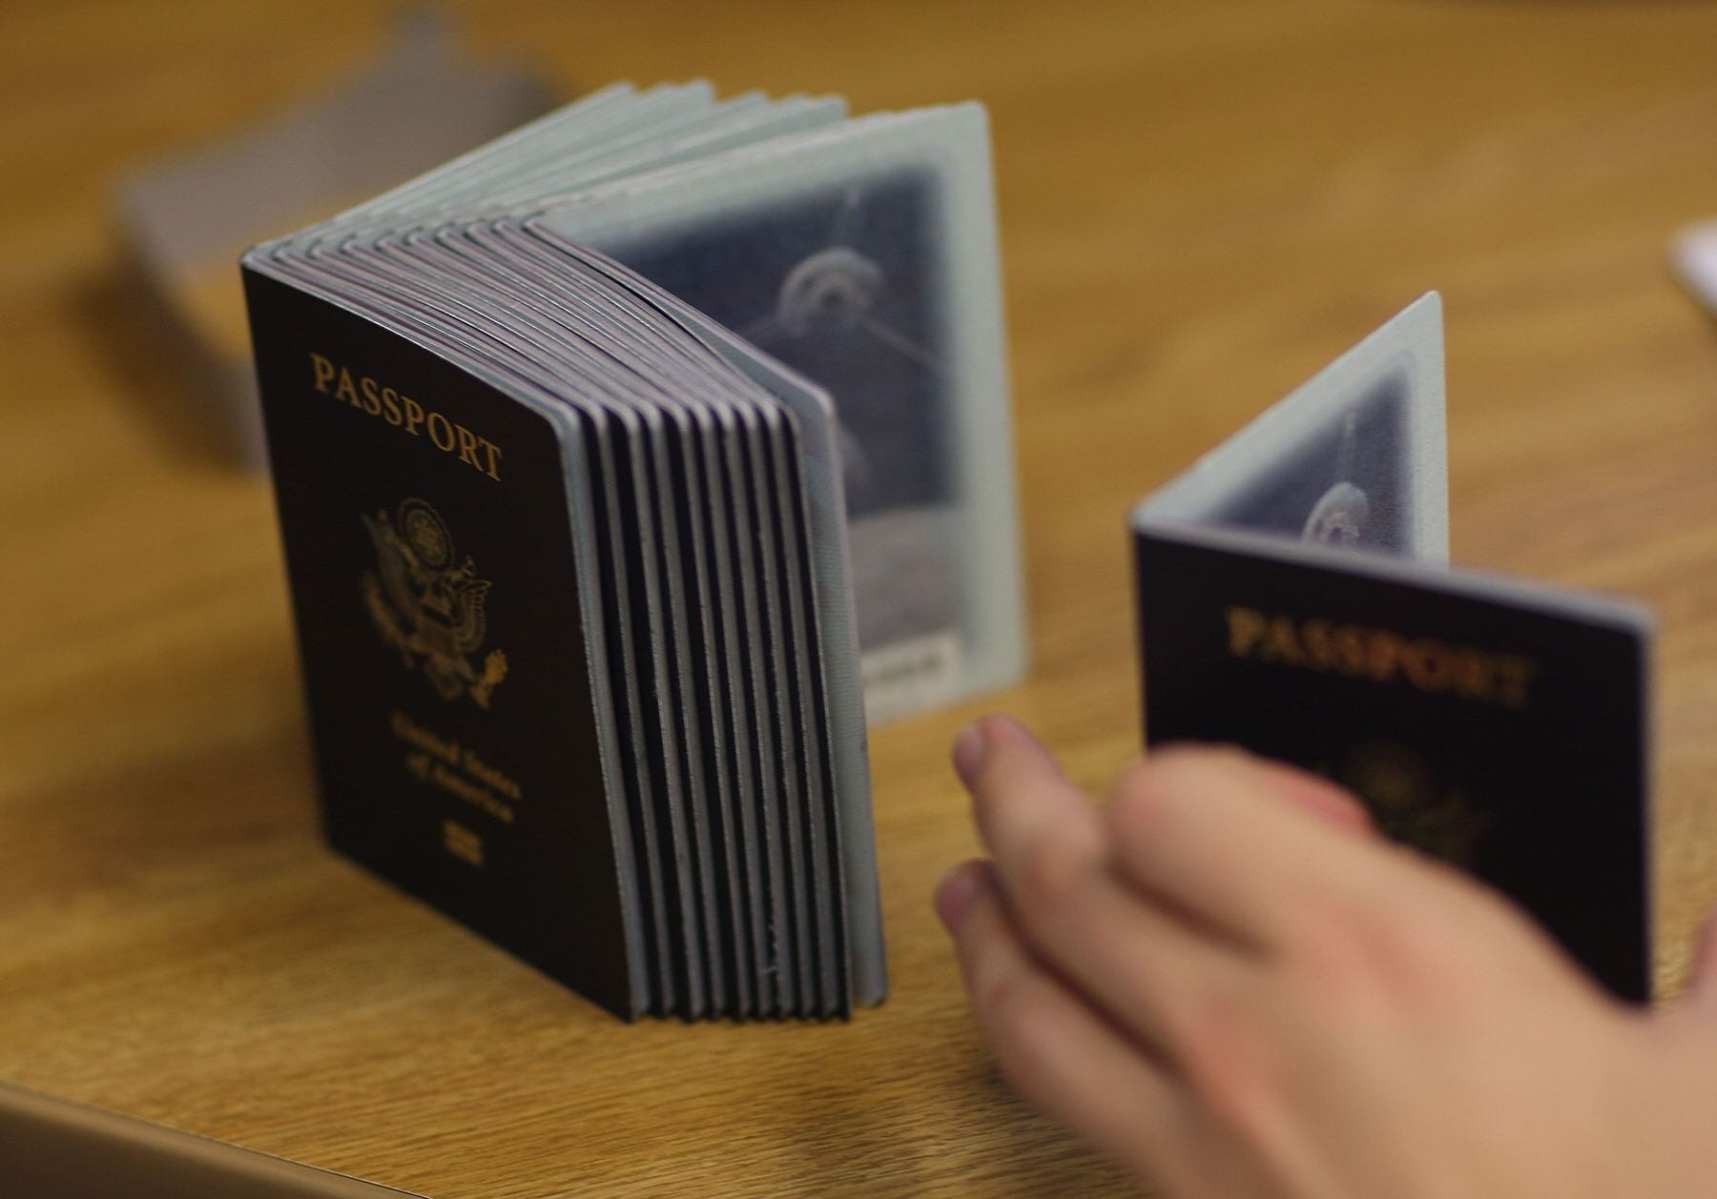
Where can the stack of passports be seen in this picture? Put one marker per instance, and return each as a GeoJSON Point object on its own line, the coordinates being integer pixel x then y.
{"type": "Point", "coordinates": [568, 558]}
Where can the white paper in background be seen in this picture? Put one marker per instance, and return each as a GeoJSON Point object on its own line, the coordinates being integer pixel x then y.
{"type": "Point", "coordinates": [1694, 256]}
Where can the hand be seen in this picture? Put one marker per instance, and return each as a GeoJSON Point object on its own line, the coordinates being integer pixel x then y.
{"type": "Point", "coordinates": [1225, 981]}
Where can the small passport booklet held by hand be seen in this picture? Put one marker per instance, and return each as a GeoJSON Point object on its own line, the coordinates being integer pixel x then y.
{"type": "Point", "coordinates": [1295, 599]}
{"type": "Point", "coordinates": [570, 439]}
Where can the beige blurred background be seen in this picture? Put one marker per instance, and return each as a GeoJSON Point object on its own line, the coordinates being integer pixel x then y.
{"type": "Point", "coordinates": [1200, 205]}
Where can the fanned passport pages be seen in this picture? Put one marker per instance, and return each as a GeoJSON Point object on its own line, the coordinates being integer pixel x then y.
{"type": "Point", "coordinates": [568, 540]}
{"type": "Point", "coordinates": [1294, 598]}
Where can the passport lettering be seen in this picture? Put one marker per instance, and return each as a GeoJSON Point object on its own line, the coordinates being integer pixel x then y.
{"type": "Point", "coordinates": [366, 394]}
{"type": "Point", "coordinates": [1381, 655]}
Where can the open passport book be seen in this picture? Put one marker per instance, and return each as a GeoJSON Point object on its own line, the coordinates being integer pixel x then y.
{"type": "Point", "coordinates": [585, 445]}
{"type": "Point", "coordinates": [1295, 598]}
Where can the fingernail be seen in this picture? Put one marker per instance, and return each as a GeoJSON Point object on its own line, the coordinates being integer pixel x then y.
{"type": "Point", "coordinates": [955, 893]}
{"type": "Point", "coordinates": [1001, 727]}
{"type": "Point", "coordinates": [969, 753]}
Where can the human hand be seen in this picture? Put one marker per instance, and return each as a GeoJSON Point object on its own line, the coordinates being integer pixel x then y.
{"type": "Point", "coordinates": [1226, 982]}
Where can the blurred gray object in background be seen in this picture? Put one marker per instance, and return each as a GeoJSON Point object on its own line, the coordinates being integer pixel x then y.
{"type": "Point", "coordinates": [185, 221]}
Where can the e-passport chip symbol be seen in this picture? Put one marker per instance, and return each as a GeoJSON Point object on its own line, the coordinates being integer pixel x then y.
{"type": "Point", "coordinates": [461, 842]}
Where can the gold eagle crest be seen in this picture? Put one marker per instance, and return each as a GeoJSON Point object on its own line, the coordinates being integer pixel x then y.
{"type": "Point", "coordinates": [1410, 805]}
{"type": "Point", "coordinates": [428, 604]}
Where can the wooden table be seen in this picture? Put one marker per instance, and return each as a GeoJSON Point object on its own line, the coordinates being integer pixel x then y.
{"type": "Point", "coordinates": [1201, 204]}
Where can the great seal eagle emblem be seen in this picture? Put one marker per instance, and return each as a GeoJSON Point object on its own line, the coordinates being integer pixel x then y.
{"type": "Point", "coordinates": [428, 604]}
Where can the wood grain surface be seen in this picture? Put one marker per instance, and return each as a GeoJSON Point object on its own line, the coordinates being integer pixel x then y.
{"type": "Point", "coordinates": [1201, 204]}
